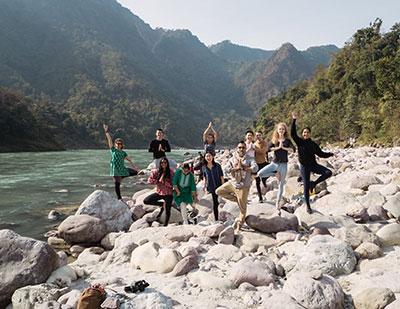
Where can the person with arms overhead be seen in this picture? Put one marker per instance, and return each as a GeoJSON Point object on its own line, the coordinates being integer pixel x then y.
{"type": "Point", "coordinates": [117, 165]}
{"type": "Point", "coordinates": [307, 150]}
{"type": "Point", "coordinates": [210, 137]}
{"type": "Point", "coordinates": [159, 146]}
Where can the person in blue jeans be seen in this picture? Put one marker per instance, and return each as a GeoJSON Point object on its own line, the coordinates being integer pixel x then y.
{"type": "Point", "coordinates": [307, 150]}
{"type": "Point", "coordinates": [281, 145]}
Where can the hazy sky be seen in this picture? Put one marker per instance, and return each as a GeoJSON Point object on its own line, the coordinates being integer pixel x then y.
{"type": "Point", "coordinates": [267, 23]}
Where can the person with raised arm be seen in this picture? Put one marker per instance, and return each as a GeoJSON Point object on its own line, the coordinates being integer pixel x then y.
{"type": "Point", "coordinates": [213, 179]}
{"type": "Point", "coordinates": [162, 178]}
{"type": "Point", "coordinates": [210, 137]}
{"type": "Point", "coordinates": [117, 166]}
{"type": "Point", "coordinates": [307, 150]}
{"type": "Point", "coordinates": [159, 146]}
{"type": "Point", "coordinates": [261, 157]}
{"type": "Point", "coordinates": [281, 145]}
{"type": "Point", "coordinates": [240, 169]}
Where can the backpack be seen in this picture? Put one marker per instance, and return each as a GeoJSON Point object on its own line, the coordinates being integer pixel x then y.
{"type": "Point", "coordinates": [91, 298]}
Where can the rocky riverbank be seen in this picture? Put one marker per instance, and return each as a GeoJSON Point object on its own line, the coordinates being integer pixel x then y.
{"type": "Point", "coordinates": [344, 255]}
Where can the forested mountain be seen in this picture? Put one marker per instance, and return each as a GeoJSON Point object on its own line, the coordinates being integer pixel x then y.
{"type": "Point", "coordinates": [358, 95]}
{"type": "Point", "coordinates": [93, 61]}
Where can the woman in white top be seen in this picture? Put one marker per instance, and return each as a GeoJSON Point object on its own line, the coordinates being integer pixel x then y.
{"type": "Point", "coordinates": [249, 141]}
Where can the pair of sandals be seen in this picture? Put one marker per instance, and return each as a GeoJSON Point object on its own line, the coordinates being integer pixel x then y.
{"type": "Point", "coordinates": [138, 286]}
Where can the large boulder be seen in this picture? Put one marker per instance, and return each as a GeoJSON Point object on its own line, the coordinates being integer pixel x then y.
{"type": "Point", "coordinates": [326, 254]}
{"type": "Point", "coordinates": [369, 251]}
{"type": "Point", "coordinates": [315, 290]}
{"type": "Point", "coordinates": [185, 265]}
{"type": "Point", "coordinates": [374, 298]}
{"type": "Point", "coordinates": [82, 229]}
{"type": "Point", "coordinates": [356, 235]}
{"type": "Point", "coordinates": [151, 258]}
{"type": "Point", "coordinates": [372, 199]}
{"type": "Point", "coordinates": [23, 261]}
{"type": "Point", "coordinates": [364, 181]}
{"type": "Point", "coordinates": [100, 204]}
{"type": "Point", "coordinates": [253, 271]}
{"type": "Point", "coordinates": [37, 296]}
{"type": "Point", "coordinates": [224, 253]}
{"type": "Point", "coordinates": [267, 220]}
{"type": "Point", "coordinates": [390, 234]}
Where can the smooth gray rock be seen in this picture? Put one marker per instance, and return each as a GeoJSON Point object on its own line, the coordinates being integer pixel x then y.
{"type": "Point", "coordinates": [393, 205]}
{"type": "Point", "coordinates": [389, 234]}
{"type": "Point", "coordinates": [23, 261]}
{"type": "Point", "coordinates": [315, 291]}
{"type": "Point", "coordinates": [253, 271]}
{"type": "Point", "coordinates": [185, 265]}
{"type": "Point", "coordinates": [100, 204]}
{"type": "Point", "coordinates": [374, 298]}
{"type": "Point", "coordinates": [227, 236]}
{"type": "Point", "coordinates": [82, 229]}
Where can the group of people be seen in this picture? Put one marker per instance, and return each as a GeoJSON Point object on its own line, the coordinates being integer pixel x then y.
{"type": "Point", "coordinates": [249, 161]}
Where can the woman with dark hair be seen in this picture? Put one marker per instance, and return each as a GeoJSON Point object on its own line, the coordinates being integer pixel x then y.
{"type": "Point", "coordinates": [261, 157]}
{"type": "Point", "coordinates": [184, 190]}
{"type": "Point", "coordinates": [308, 149]}
{"type": "Point", "coordinates": [117, 166]}
{"type": "Point", "coordinates": [162, 178]}
{"type": "Point", "coordinates": [214, 178]}
{"type": "Point", "coordinates": [210, 137]}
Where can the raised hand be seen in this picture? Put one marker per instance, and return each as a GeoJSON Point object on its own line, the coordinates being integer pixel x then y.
{"type": "Point", "coordinates": [105, 127]}
{"type": "Point", "coordinates": [294, 115]}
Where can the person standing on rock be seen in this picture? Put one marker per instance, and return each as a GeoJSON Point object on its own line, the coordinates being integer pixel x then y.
{"type": "Point", "coordinates": [250, 148]}
{"type": "Point", "coordinates": [239, 168]}
{"type": "Point", "coordinates": [307, 150]}
{"type": "Point", "coordinates": [210, 137]}
{"type": "Point", "coordinates": [281, 145]}
{"type": "Point", "coordinates": [159, 146]}
{"type": "Point", "coordinates": [117, 165]}
{"type": "Point", "coordinates": [214, 178]}
{"type": "Point", "coordinates": [162, 178]}
{"type": "Point", "coordinates": [261, 157]}
{"type": "Point", "coordinates": [184, 190]}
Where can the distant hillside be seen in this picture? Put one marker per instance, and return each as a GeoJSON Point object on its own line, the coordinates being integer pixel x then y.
{"type": "Point", "coordinates": [358, 95]}
{"type": "Point", "coordinates": [237, 53]}
{"type": "Point", "coordinates": [264, 79]}
{"type": "Point", "coordinates": [97, 62]}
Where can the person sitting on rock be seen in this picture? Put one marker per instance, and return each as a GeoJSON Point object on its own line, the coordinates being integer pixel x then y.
{"type": "Point", "coordinates": [213, 178]}
{"type": "Point", "coordinates": [184, 190]}
{"type": "Point", "coordinates": [307, 150]}
{"type": "Point", "coordinates": [162, 178]}
{"type": "Point", "coordinates": [117, 166]}
{"type": "Point", "coordinates": [281, 145]}
{"type": "Point", "coordinates": [210, 137]}
{"type": "Point", "coordinates": [239, 168]}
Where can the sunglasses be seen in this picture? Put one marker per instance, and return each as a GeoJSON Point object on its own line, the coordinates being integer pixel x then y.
{"type": "Point", "coordinates": [241, 147]}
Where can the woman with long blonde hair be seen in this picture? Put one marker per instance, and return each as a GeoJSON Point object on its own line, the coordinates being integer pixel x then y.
{"type": "Point", "coordinates": [280, 145]}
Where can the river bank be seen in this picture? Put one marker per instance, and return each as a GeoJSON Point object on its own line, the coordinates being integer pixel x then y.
{"type": "Point", "coordinates": [344, 255]}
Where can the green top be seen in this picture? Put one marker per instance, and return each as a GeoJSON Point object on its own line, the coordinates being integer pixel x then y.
{"type": "Point", "coordinates": [186, 185]}
{"type": "Point", "coordinates": [117, 166]}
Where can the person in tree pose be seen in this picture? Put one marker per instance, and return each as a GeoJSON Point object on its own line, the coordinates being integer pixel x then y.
{"type": "Point", "coordinates": [162, 178]}
{"type": "Point", "coordinates": [261, 157]}
{"type": "Point", "coordinates": [210, 137]}
{"type": "Point", "coordinates": [184, 190]}
{"type": "Point", "coordinates": [239, 168]}
{"type": "Point", "coordinates": [159, 146]}
{"type": "Point", "coordinates": [307, 150]}
{"type": "Point", "coordinates": [214, 178]}
{"type": "Point", "coordinates": [117, 165]}
{"type": "Point", "coordinates": [281, 146]}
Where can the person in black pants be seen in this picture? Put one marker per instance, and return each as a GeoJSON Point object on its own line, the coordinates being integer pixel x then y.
{"type": "Point", "coordinates": [214, 178]}
{"type": "Point", "coordinates": [159, 147]}
{"type": "Point", "coordinates": [162, 177]}
{"type": "Point", "coordinates": [307, 150]}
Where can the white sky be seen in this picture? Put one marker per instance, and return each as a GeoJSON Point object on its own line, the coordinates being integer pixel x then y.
{"type": "Point", "coordinates": [267, 23]}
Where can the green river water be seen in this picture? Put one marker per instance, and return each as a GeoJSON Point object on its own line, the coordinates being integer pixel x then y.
{"type": "Point", "coordinates": [32, 184]}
